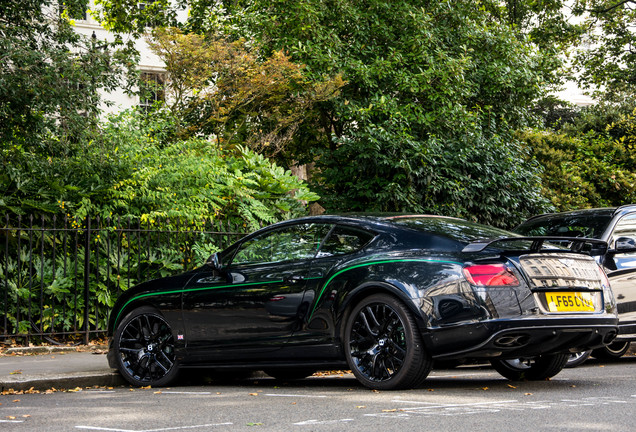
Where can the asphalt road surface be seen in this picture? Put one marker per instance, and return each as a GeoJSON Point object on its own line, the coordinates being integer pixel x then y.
{"type": "Point", "coordinates": [593, 397]}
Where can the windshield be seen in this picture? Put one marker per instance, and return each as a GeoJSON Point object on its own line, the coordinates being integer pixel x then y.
{"type": "Point", "coordinates": [591, 225]}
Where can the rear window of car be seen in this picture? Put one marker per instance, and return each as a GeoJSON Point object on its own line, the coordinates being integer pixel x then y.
{"type": "Point", "coordinates": [343, 240]}
{"type": "Point", "coordinates": [590, 226]}
{"type": "Point", "coordinates": [456, 229]}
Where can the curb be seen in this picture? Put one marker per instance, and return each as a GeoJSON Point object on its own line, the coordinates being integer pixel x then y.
{"type": "Point", "coordinates": [45, 349]}
{"type": "Point", "coordinates": [63, 381]}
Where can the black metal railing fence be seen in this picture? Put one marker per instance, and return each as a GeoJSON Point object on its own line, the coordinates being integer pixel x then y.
{"type": "Point", "coordinates": [59, 278]}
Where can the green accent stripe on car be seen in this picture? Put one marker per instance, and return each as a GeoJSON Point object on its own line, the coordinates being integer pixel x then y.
{"type": "Point", "coordinates": [271, 282]}
{"type": "Point", "coordinates": [179, 291]}
{"type": "Point", "coordinates": [370, 264]}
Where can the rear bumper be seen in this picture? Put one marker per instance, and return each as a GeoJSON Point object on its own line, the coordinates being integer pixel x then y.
{"type": "Point", "coordinates": [520, 338]}
{"type": "Point", "coordinates": [627, 332]}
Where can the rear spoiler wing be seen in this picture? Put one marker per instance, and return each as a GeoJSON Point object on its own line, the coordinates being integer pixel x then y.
{"type": "Point", "coordinates": [575, 244]}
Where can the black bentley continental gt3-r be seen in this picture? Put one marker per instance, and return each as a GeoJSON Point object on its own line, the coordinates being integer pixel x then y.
{"type": "Point", "coordinates": [382, 295]}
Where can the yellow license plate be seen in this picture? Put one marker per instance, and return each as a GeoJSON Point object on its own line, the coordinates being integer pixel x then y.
{"type": "Point", "coordinates": [570, 301]}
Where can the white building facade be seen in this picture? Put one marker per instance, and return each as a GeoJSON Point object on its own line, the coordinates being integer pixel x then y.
{"type": "Point", "coordinates": [151, 67]}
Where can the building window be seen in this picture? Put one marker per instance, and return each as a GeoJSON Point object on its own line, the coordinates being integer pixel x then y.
{"type": "Point", "coordinates": [151, 89]}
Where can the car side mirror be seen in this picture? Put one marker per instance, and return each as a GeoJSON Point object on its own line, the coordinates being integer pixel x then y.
{"type": "Point", "coordinates": [624, 245]}
{"type": "Point", "coordinates": [214, 261]}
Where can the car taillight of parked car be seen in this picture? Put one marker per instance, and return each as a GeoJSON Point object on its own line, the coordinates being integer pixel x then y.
{"type": "Point", "coordinates": [490, 275]}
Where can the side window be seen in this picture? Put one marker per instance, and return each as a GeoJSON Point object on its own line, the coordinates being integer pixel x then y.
{"type": "Point", "coordinates": [292, 243]}
{"type": "Point", "coordinates": [343, 240]}
{"type": "Point", "coordinates": [625, 229]}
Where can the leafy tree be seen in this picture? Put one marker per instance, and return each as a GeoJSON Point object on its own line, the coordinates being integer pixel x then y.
{"type": "Point", "coordinates": [606, 63]}
{"type": "Point", "coordinates": [547, 22]}
{"type": "Point", "coordinates": [222, 88]}
{"type": "Point", "coordinates": [49, 100]}
{"type": "Point", "coordinates": [131, 171]}
{"type": "Point", "coordinates": [194, 179]}
{"type": "Point", "coordinates": [130, 17]}
{"type": "Point", "coordinates": [425, 82]}
{"type": "Point", "coordinates": [49, 74]}
{"type": "Point", "coordinates": [585, 171]}
{"type": "Point", "coordinates": [423, 78]}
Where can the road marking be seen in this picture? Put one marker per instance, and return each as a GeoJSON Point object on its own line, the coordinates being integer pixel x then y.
{"type": "Point", "coordinates": [11, 421]}
{"type": "Point", "coordinates": [462, 374]}
{"type": "Point", "coordinates": [294, 395]}
{"type": "Point", "coordinates": [176, 428]}
{"type": "Point", "coordinates": [423, 408]}
{"type": "Point", "coordinates": [184, 392]}
{"type": "Point", "coordinates": [321, 422]}
{"type": "Point", "coordinates": [438, 405]}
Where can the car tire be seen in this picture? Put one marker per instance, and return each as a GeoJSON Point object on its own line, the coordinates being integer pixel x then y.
{"type": "Point", "coordinates": [289, 374]}
{"type": "Point", "coordinates": [532, 369]}
{"type": "Point", "coordinates": [383, 345]}
{"type": "Point", "coordinates": [144, 348]}
{"type": "Point", "coordinates": [576, 359]}
{"type": "Point", "coordinates": [612, 351]}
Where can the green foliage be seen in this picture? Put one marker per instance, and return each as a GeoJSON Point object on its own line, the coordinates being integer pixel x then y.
{"type": "Point", "coordinates": [127, 17]}
{"type": "Point", "coordinates": [585, 171]}
{"type": "Point", "coordinates": [606, 62]}
{"type": "Point", "coordinates": [222, 88]}
{"type": "Point", "coordinates": [188, 180]}
{"type": "Point", "coordinates": [49, 77]}
{"type": "Point", "coordinates": [474, 177]}
{"type": "Point", "coordinates": [424, 84]}
{"type": "Point", "coordinates": [545, 21]}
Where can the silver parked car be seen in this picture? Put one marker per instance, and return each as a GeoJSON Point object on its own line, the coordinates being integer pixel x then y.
{"type": "Point", "coordinates": [617, 227]}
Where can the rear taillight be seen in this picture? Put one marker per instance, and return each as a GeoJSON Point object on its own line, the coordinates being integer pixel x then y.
{"type": "Point", "coordinates": [490, 275]}
{"type": "Point", "coordinates": [604, 279]}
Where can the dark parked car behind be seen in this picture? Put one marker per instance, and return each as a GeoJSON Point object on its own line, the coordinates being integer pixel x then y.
{"type": "Point", "coordinates": [616, 226]}
{"type": "Point", "coordinates": [382, 295]}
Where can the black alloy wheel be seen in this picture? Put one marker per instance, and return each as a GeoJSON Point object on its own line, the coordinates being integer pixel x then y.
{"type": "Point", "coordinates": [145, 348]}
{"type": "Point", "coordinates": [578, 358]}
{"type": "Point", "coordinates": [383, 345]}
{"type": "Point", "coordinates": [531, 369]}
{"type": "Point", "coordinates": [612, 351]}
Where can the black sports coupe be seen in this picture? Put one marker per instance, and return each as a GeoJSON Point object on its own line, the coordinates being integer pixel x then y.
{"type": "Point", "coordinates": [382, 295]}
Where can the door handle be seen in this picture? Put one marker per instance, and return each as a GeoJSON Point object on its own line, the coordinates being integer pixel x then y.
{"type": "Point", "coordinates": [294, 279]}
